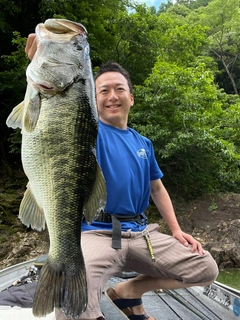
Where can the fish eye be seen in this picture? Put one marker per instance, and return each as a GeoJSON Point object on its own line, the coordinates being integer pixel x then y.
{"type": "Point", "coordinates": [78, 46]}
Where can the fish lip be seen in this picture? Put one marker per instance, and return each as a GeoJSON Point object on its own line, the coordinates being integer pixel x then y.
{"type": "Point", "coordinates": [45, 88]}
{"type": "Point", "coordinates": [42, 86]}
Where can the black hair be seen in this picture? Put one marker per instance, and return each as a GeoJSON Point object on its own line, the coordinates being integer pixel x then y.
{"type": "Point", "coordinates": [114, 67]}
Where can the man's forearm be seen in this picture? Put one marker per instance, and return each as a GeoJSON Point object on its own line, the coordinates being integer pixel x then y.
{"type": "Point", "coordinates": [164, 205]}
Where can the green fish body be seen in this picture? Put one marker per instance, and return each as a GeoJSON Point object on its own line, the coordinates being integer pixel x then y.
{"type": "Point", "coordinates": [58, 118]}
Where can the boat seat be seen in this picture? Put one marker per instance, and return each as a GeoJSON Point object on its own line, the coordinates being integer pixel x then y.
{"type": "Point", "coordinates": [39, 262]}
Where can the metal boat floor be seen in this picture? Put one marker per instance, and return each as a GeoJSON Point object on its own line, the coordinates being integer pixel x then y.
{"type": "Point", "coordinates": [185, 304]}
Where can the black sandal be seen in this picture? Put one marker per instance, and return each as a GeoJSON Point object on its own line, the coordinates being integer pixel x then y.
{"type": "Point", "coordinates": [124, 305]}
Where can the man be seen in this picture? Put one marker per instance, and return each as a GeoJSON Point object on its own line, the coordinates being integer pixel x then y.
{"type": "Point", "coordinates": [132, 175]}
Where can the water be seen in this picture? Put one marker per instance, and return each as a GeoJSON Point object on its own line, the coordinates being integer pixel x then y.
{"type": "Point", "coordinates": [230, 277]}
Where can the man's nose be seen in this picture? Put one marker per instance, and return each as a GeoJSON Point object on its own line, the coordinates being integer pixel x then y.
{"type": "Point", "coordinates": [113, 95]}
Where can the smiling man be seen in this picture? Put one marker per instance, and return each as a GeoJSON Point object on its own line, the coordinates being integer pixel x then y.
{"type": "Point", "coordinates": [132, 175]}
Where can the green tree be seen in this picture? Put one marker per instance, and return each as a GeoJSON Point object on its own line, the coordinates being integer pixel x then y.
{"type": "Point", "coordinates": [164, 6]}
{"type": "Point", "coordinates": [169, 54]}
{"type": "Point", "coordinates": [136, 46]}
{"type": "Point", "coordinates": [12, 89]}
{"type": "Point", "coordinates": [223, 23]}
{"type": "Point", "coordinates": [179, 109]}
{"type": "Point", "coordinates": [193, 4]}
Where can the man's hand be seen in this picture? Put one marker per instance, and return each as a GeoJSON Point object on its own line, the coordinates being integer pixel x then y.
{"type": "Point", "coordinates": [187, 239]}
{"type": "Point", "coordinates": [31, 45]}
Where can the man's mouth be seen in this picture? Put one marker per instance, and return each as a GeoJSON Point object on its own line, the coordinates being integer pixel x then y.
{"type": "Point", "coordinates": [113, 106]}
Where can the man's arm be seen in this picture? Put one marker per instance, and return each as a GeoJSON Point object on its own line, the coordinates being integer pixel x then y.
{"type": "Point", "coordinates": [164, 205]}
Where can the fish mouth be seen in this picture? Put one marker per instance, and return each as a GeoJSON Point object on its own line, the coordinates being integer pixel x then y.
{"type": "Point", "coordinates": [45, 87]}
{"type": "Point", "coordinates": [42, 86]}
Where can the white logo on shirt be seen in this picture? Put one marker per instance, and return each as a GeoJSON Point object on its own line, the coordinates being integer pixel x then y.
{"type": "Point", "coordinates": [142, 153]}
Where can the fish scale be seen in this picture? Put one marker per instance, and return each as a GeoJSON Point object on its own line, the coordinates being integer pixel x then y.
{"type": "Point", "coordinates": [58, 118]}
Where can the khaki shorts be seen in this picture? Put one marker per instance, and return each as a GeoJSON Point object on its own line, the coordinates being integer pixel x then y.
{"type": "Point", "coordinates": [173, 261]}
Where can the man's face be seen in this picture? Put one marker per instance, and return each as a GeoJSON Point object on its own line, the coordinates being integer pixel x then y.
{"type": "Point", "coordinates": [114, 99]}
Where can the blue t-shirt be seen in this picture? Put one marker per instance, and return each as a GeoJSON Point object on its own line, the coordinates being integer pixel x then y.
{"type": "Point", "coordinates": [128, 164]}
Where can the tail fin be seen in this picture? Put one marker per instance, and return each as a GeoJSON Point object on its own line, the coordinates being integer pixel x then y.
{"type": "Point", "coordinates": [62, 289]}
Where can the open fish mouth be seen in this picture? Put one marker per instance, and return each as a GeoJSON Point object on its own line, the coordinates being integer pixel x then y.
{"type": "Point", "coordinates": [43, 86]}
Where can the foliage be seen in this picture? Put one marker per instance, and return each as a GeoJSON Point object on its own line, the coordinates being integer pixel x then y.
{"type": "Point", "coordinates": [7, 9]}
{"type": "Point", "coordinates": [179, 109]}
{"type": "Point", "coordinates": [12, 89]}
{"type": "Point", "coordinates": [136, 42]}
{"type": "Point", "coordinates": [193, 4]}
{"type": "Point", "coordinates": [223, 23]}
{"type": "Point", "coordinates": [15, 65]}
{"type": "Point", "coordinates": [184, 62]}
{"type": "Point", "coordinates": [15, 140]}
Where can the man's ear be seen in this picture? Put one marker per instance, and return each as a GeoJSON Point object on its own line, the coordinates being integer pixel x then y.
{"type": "Point", "coordinates": [132, 100]}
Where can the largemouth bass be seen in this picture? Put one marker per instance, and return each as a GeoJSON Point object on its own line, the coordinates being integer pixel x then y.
{"type": "Point", "coordinates": [58, 118]}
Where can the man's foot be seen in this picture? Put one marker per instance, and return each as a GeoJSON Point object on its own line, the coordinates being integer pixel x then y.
{"type": "Point", "coordinates": [129, 307]}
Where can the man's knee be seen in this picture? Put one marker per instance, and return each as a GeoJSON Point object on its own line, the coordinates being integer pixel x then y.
{"type": "Point", "coordinates": [206, 271]}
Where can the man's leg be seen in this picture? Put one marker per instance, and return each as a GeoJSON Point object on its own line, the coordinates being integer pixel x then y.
{"type": "Point", "coordinates": [175, 266]}
{"type": "Point", "coordinates": [136, 287]}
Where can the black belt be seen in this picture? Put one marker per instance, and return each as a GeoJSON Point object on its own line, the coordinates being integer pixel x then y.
{"type": "Point", "coordinates": [116, 220]}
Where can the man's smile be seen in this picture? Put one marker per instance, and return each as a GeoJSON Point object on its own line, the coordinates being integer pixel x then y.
{"type": "Point", "coordinates": [113, 106]}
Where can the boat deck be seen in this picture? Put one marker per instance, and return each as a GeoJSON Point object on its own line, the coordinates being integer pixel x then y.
{"type": "Point", "coordinates": [214, 303]}
{"type": "Point", "coordinates": [185, 304]}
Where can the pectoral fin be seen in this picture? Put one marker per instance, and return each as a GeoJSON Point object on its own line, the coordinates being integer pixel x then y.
{"type": "Point", "coordinates": [32, 105]}
{"type": "Point", "coordinates": [30, 213]}
{"type": "Point", "coordinates": [26, 113]}
{"type": "Point", "coordinates": [15, 118]}
{"type": "Point", "coordinates": [97, 198]}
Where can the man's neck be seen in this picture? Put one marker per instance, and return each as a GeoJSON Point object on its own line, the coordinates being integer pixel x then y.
{"type": "Point", "coordinates": [116, 124]}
